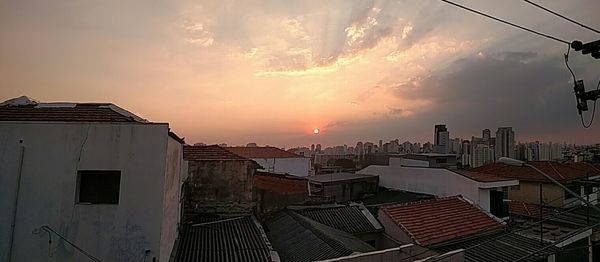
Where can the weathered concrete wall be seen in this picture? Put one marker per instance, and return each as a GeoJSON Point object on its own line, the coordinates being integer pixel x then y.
{"type": "Point", "coordinates": [219, 186]}
{"type": "Point", "coordinates": [54, 152]}
{"type": "Point", "coordinates": [275, 192]}
{"type": "Point", "coordinates": [172, 195]}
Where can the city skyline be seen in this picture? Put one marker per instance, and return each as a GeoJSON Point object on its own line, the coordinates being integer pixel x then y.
{"type": "Point", "coordinates": [271, 72]}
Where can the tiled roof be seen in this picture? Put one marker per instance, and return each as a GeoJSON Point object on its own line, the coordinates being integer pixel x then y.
{"type": "Point", "coordinates": [222, 240]}
{"type": "Point", "coordinates": [500, 247]}
{"type": "Point", "coordinates": [480, 177]}
{"type": "Point", "coordinates": [558, 171]}
{"type": "Point", "coordinates": [526, 209]}
{"type": "Point", "coordinates": [214, 152]}
{"type": "Point", "coordinates": [354, 219]}
{"type": "Point", "coordinates": [66, 113]}
{"type": "Point", "coordinates": [262, 152]}
{"type": "Point", "coordinates": [297, 238]}
{"type": "Point", "coordinates": [433, 221]}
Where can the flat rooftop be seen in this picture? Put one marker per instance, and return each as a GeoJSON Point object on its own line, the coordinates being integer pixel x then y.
{"type": "Point", "coordinates": [336, 177]}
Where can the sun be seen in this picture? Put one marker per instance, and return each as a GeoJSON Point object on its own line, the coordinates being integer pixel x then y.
{"type": "Point", "coordinates": [316, 131]}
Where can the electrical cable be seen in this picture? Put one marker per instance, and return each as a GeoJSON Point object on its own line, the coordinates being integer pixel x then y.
{"type": "Point", "coordinates": [518, 230]}
{"type": "Point", "coordinates": [506, 22]}
{"type": "Point", "coordinates": [49, 229]}
{"type": "Point", "coordinates": [574, 81]}
{"type": "Point", "coordinates": [562, 16]}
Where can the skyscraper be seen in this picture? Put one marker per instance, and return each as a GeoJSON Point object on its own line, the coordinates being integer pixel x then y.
{"type": "Point", "coordinates": [505, 142]}
{"type": "Point", "coordinates": [486, 134]}
{"type": "Point", "coordinates": [441, 139]}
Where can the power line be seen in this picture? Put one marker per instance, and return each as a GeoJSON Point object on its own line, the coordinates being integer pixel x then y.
{"type": "Point", "coordinates": [535, 224]}
{"type": "Point", "coordinates": [506, 22]}
{"type": "Point", "coordinates": [562, 16]}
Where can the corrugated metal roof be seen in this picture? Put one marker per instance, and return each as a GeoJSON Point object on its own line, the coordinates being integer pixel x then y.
{"type": "Point", "coordinates": [353, 219]}
{"type": "Point", "coordinates": [499, 247]}
{"type": "Point", "coordinates": [297, 238]}
{"type": "Point", "coordinates": [222, 240]}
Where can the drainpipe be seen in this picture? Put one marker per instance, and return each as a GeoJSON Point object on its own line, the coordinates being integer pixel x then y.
{"type": "Point", "coordinates": [16, 203]}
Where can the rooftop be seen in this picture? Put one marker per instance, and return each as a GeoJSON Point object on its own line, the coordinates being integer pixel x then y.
{"type": "Point", "coordinates": [210, 153]}
{"type": "Point", "coordinates": [262, 152]}
{"type": "Point", "coordinates": [558, 171]}
{"type": "Point", "coordinates": [480, 177]}
{"type": "Point", "coordinates": [433, 221]}
{"type": "Point", "coordinates": [298, 238]}
{"type": "Point", "coordinates": [526, 209]}
{"type": "Point", "coordinates": [68, 112]}
{"type": "Point", "coordinates": [336, 177]}
{"type": "Point", "coordinates": [224, 239]}
{"type": "Point", "coordinates": [506, 247]}
{"type": "Point", "coordinates": [354, 218]}
{"type": "Point", "coordinates": [394, 197]}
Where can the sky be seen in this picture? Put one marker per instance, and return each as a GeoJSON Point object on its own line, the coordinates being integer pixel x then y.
{"type": "Point", "coordinates": [272, 71]}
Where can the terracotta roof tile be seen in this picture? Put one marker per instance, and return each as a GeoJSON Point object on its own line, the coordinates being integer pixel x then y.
{"type": "Point", "coordinates": [213, 152]}
{"type": "Point", "coordinates": [262, 152]}
{"type": "Point", "coordinates": [558, 171]}
{"type": "Point", "coordinates": [481, 177]}
{"type": "Point", "coordinates": [77, 113]}
{"type": "Point", "coordinates": [434, 221]}
{"type": "Point", "coordinates": [527, 209]}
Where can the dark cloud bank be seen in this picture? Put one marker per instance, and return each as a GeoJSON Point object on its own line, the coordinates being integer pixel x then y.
{"type": "Point", "coordinates": [532, 94]}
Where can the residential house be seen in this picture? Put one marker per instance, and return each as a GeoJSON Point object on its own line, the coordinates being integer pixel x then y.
{"type": "Point", "coordinates": [275, 160]}
{"type": "Point", "coordinates": [484, 190]}
{"type": "Point", "coordinates": [421, 222]}
{"type": "Point", "coordinates": [218, 180]}
{"type": "Point", "coordinates": [528, 190]}
{"type": "Point", "coordinates": [86, 181]}
{"type": "Point", "coordinates": [343, 187]}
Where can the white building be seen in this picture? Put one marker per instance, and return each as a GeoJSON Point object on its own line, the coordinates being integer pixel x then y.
{"type": "Point", "coordinates": [481, 154]}
{"type": "Point", "coordinates": [275, 160]}
{"type": "Point", "coordinates": [416, 176]}
{"type": "Point", "coordinates": [93, 174]}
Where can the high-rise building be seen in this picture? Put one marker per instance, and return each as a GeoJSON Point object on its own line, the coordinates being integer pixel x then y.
{"type": "Point", "coordinates": [487, 134]}
{"type": "Point", "coordinates": [441, 139]}
{"type": "Point", "coordinates": [481, 154]}
{"type": "Point", "coordinates": [505, 143]}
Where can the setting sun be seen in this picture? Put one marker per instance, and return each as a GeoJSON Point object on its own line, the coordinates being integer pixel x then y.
{"type": "Point", "coordinates": [316, 131]}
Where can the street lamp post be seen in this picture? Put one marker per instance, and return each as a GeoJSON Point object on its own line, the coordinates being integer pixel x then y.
{"type": "Point", "coordinates": [514, 162]}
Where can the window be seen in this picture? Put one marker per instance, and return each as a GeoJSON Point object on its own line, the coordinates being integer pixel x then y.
{"type": "Point", "coordinates": [98, 186]}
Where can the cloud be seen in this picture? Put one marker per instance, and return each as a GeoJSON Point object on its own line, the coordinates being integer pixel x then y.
{"type": "Point", "coordinates": [197, 34]}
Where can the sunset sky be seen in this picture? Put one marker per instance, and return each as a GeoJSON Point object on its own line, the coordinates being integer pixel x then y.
{"type": "Point", "coordinates": [271, 71]}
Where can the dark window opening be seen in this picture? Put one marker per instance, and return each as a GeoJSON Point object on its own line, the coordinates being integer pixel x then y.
{"type": "Point", "coordinates": [441, 161]}
{"type": "Point", "coordinates": [98, 186]}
